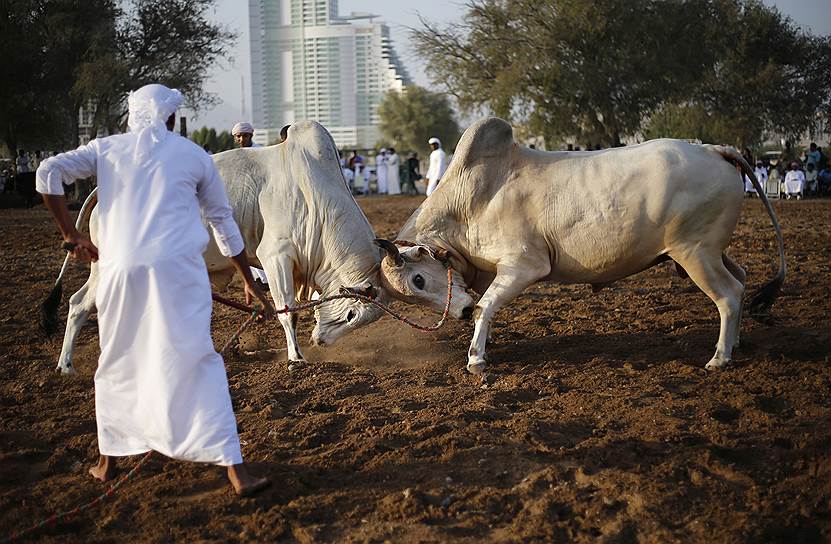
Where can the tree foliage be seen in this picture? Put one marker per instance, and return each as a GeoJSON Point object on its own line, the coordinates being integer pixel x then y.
{"type": "Point", "coordinates": [215, 142]}
{"type": "Point", "coordinates": [171, 42]}
{"type": "Point", "coordinates": [42, 43]}
{"type": "Point", "coordinates": [410, 118]}
{"type": "Point", "coordinates": [599, 71]}
{"type": "Point", "coordinates": [60, 54]}
{"type": "Point", "coordinates": [773, 78]}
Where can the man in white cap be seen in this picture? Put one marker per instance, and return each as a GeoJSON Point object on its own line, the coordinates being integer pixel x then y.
{"type": "Point", "coordinates": [160, 385]}
{"type": "Point", "coordinates": [243, 134]}
{"type": "Point", "coordinates": [438, 164]}
{"type": "Point", "coordinates": [381, 171]}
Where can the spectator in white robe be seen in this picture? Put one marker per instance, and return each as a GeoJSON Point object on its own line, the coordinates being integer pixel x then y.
{"type": "Point", "coordinates": [393, 173]}
{"type": "Point", "coordinates": [363, 179]}
{"type": "Point", "coordinates": [438, 164]}
{"type": "Point", "coordinates": [761, 174]}
{"type": "Point", "coordinates": [348, 174]}
{"type": "Point", "coordinates": [243, 133]}
{"type": "Point", "coordinates": [381, 171]}
{"type": "Point", "coordinates": [794, 182]}
{"type": "Point", "coordinates": [160, 385]}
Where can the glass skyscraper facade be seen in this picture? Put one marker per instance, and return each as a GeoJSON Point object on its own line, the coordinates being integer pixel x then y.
{"type": "Point", "coordinates": [308, 62]}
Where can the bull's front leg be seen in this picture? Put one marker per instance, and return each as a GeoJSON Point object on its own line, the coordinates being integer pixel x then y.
{"type": "Point", "coordinates": [279, 269]}
{"type": "Point", "coordinates": [80, 306]}
{"type": "Point", "coordinates": [505, 287]}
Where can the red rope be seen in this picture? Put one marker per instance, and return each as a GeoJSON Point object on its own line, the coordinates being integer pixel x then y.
{"type": "Point", "coordinates": [363, 298]}
{"type": "Point", "coordinates": [54, 518]}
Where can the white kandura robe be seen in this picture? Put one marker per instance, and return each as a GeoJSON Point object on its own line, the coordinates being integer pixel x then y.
{"type": "Point", "coordinates": [794, 182]}
{"type": "Point", "coordinates": [381, 173]}
{"type": "Point", "coordinates": [761, 175]}
{"type": "Point", "coordinates": [160, 385]}
{"type": "Point", "coordinates": [393, 175]}
{"type": "Point", "coordinates": [438, 164]}
{"type": "Point", "coordinates": [362, 179]}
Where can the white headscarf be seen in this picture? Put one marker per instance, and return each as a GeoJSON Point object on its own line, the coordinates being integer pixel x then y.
{"type": "Point", "coordinates": [149, 109]}
{"type": "Point", "coordinates": [242, 128]}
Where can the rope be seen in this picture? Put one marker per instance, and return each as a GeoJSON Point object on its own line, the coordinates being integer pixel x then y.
{"type": "Point", "coordinates": [69, 514]}
{"type": "Point", "coordinates": [363, 298]}
{"type": "Point", "coordinates": [255, 312]}
{"type": "Point", "coordinates": [240, 330]}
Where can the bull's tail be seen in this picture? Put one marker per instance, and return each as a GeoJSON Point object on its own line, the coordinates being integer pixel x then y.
{"type": "Point", "coordinates": [762, 300]}
{"type": "Point", "coordinates": [49, 307]}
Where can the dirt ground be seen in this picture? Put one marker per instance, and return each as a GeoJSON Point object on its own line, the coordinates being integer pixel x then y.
{"type": "Point", "coordinates": [597, 423]}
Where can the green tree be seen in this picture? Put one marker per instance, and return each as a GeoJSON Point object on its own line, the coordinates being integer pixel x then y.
{"type": "Point", "coordinates": [570, 68]}
{"type": "Point", "coordinates": [43, 43]}
{"type": "Point", "coordinates": [721, 70]}
{"type": "Point", "coordinates": [411, 117]}
{"type": "Point", "coordinates": [155, 41]}
{"type": "Point", "coordinates": [58, 54]}
{"type": "Point", "coordinates": [215, 142]}
{"type": "Point", "coordinates": [225, 140]}
{"type": "Point", "coordinates": [771, 78]}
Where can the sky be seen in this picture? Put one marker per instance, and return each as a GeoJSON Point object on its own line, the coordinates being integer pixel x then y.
{"type": "Point", "coordinates": [227, 79]}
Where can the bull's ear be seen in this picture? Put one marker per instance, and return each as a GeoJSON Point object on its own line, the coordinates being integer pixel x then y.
{"type": "Point", "coordinates": [391, 251]}
{"type": "Point", "coordinates": [441, 254]}
{"type": "Point", "coordinates": [367, 290]}
{"type": "Point", "coordinates": [436, 253]}
{"type": "Point", "coordinates": [364, 289]}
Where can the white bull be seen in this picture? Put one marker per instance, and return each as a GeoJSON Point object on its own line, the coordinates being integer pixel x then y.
{"type": "Point", "coordinates": [294, 209]}
{"type": "Point", "coordinates": [507, 217]}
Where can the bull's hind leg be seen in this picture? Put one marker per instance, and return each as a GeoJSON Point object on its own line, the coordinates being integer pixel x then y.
{"type": "Point", "coordinates": [80, 306]}
{"type": "Point", "coordinates": [710, 273]}
{"type": "Point", "coordinates": [738, 273]}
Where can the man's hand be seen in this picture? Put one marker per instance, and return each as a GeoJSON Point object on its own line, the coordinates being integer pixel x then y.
{"type": "Point", "coordinates": [252, 291]}
{"type": "Point", "coordinates": [80, 247]}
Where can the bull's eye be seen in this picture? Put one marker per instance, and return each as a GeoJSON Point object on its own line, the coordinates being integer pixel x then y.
{"type": "Point", "coordinates": [418, 281]}
{"type": "Point", "coordinates": [350, 315]}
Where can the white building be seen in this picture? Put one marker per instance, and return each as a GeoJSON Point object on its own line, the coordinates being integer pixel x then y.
{"type": "Point", "coordinates": [86, 121]}
{"type": "Point", "coordinates": [309, 63]}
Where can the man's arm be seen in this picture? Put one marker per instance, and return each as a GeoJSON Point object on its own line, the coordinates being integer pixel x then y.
{"type": "Point", "coordinates": [51, 174]}
{"type": "Point", "coordinates": [75, 242]}
{"type": "Point", "coordinates": [214, 203]}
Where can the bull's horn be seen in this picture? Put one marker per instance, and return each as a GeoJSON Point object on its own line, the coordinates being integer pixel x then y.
{"type": "Point", "coordinates": [391, 250]}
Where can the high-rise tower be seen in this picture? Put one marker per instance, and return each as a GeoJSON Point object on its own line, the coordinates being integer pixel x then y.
{"type": "Point", "coordinates": [308, 62]}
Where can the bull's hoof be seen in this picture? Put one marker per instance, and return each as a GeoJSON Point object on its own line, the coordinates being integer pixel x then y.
{"type": "Point", "coordinates": [67, 370]}
{"type": "Point", "coordinates": [296, 365]}
{"type": "Point", "coordinates": [476, 365]}
{"type": "Point", "coordinates": [717, 363]}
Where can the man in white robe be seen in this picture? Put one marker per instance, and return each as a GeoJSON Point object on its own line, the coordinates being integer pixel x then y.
{"type": "Point", "coordinates": [438, 164]}
{"type": "Point", "coordinates": [160, 385]}
{"type": "Point", "coordinates": [381, 171]}
{"type": "Point", "coordinates": [761, 174]}
{"type": "Point", "coordinates": [362, 178]}
{"type": "Point", "coordinates": [393, 173]}
{"type": "Point", "coordinates": [794, 182]}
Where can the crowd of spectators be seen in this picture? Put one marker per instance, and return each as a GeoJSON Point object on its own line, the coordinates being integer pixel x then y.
{"type": "Point", "coordinates": [385, 173]}
{"type": "Point", "coordinates": [792, 176]}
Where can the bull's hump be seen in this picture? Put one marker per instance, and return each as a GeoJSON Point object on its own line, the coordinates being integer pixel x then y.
{"type": "Point", "coordinates": [490, 137]}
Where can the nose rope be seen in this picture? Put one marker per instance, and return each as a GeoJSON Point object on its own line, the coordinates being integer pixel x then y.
{"type": "Point", "coordinates": [255, 311]}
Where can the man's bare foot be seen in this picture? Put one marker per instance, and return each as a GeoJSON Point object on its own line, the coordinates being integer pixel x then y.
{"type": "Point", "coordinates": [244, 484]}
{"type": "Point", "coordinates": [105, 470]}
